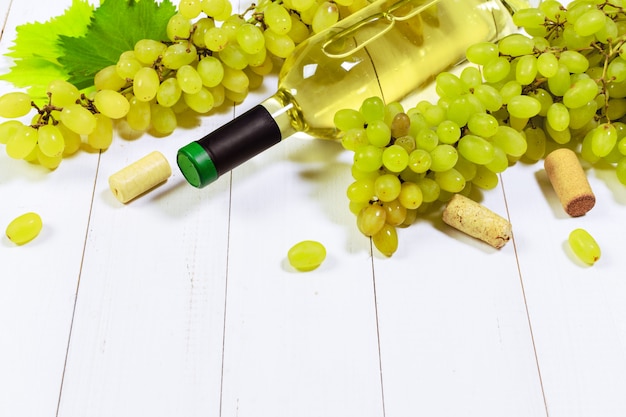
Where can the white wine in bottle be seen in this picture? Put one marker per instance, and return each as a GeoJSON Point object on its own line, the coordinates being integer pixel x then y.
{"type": "Point", "coordinates": [388, 49]}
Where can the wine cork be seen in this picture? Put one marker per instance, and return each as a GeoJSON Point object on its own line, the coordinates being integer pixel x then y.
{"type": "Point", "coordinates": [477, 221]}
{"type": "Point", "coordinates": [140, 176]}
{"type": "Point", "coordinates": [569, 182]}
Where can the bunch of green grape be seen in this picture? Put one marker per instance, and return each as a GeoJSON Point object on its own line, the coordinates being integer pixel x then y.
{"type": "Point", "coordinates": [560, 84]}
{"type": "Point", "coordinates": [212, 55]}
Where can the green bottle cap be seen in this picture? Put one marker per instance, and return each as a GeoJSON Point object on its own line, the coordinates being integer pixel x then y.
{"type": "Point", "coordinates": [196, 165]}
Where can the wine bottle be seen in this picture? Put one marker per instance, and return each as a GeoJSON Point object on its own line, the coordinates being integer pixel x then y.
{"type": "Point", "coordinates": [387, 49]}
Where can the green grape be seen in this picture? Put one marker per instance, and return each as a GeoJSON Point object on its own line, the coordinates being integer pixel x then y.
{"type": "Point", "coordinates": [590, 22]}
{"type": "Point", "coordinates": [586, 151]}
{"type": "Point", "coordinates": [168, 93]}
{"type": "Point", "coordinates": [111, 103]}
{"type": "Point", "coordinates": [482, 52]}
{"type": "Point", "coordinates": [621, 145]}
{"type": "Point", "coordinates": [509, 90]}
{"type": "Point", "coordinates": [536, 143]}
{"type": "Point", "coordinates": [24, 228]}
{"type": "Point", "coordinates": [418, 122]}
{"type": "Point", "coordinates": [449, 85]}
{"type": "Point", "coordinates": [378, 133]}
{"type": "Point", "coordinates": [146, 84]}
{"type": "Point", "coordinates": [368, 158]}
{"type": "Point", "coordinates": [407, 142]}
{"type": "Point", "coordinates": [371, 219]}
{"type": "Point", "coordinates": [419, 161]}
{"type": "Point", "coordinates": [615, 108]}
{"type": "Point", "coordinates": [580, 116]}
{"type": "Point", "coordinates": [148, 51]}
{"type": "Point", "coordinates": [449, 132]}
{"type": "Point", "coordinates": [552, 9]}
{"type": "Point", "coordinates": [346, 119]}
{"type": "Point", "coordinates": [179, 54]}
{"type": "Point", "coordinates": [163, 119]}
{"type": "Point", "coordinates": [73, 141]}
{"type": "Point", "coordinates": [127, 65]}
{"type": "Point", "coordinates": [22, 143]}
{"type": "Point", "coordinates": [62, 93]}
{"type": "Point", "coordinates": [574, 41]}
{"type": "Point", "coordinates": [396, 212]}
{"type": "Point", "coordinates": [444, 157]}
{"type": "Point", "coordinates": [510, 141]}
{"type": "Point", "coordinates": [434, 114]}
{"type": "Point", "coordinates": [458, 111]}
{"type": "Point", "coordinates": [485, 178]}
{"type": "Point", "coordinates": [306, 255]}
{"type": "Point", "coordinates": [256, 60]}
{"type": "Point", "coordinates": [471, 77]}
{"type": "Point", "coordinates": [354, 139]}
{"type": "Point", "coordinates": [302, 5]}
{"type": "Point", "coordinates": [476, 149]}
{"type": "Point", "coordinates": [201, 102]}
{"type": "Point", "coordinates": [395, 158]}
{"type": "Point", "coordinates": [526, 70]}
{"type": "Point", "coordinates": [102, 135]}
{"type": "Point", "coordinates": [386, 240]}
{"type": "Point", "coordinates": [178, 27]}
{"type": "Point", "coordinates": [559, 136]}
{"type": "Point", "coordinates": [387, 187]}
{"type": "Point", "coordinates": [531, 17]}
{"type": "Point", "coordinates": [219, 95]}
{"type": "Point", "coordinates": [580, 93]}
{"type": "Point", "coordinates": [547, 64]}
{"type": "Point", "coordinates": [231, 24]}
{"type": "Point", "coordinates": [430, 190]}
{"type": "Point", "coordinates": [523, 106]}
{"type": "Point", "coordinates": [465, 168]}
{"type": "Point", "coordinates": [620, 170]}
{"type": "Point", "coordinates": [15, 104]}
{"type": "Point", "coordinates": [361, 190]}
{"type": "Point", "coordinates": [201, 27]}
{"type": "Point", "coordinates": [50, 140]}
{"type": "Point", "coordinates": [496, 70]}
{"type": "Point", "coordinates": [544, 98]}
{"type": "Point", "coordinates": [400, 123]}
{"type": "Point", "coordinates": [616, 70]}
{"type": "Point", "coordinates": [558, 117]}
{"type": "Point", "coordinates": [604, 139]}
{"type": "Point", "coordinates": [276, 17]}
{"type": "Point", "coordinates": [250, 38]}
{"type": "Point", "coordinates": [411, 196]}
{"type": "Point", "coordinates": [299, 30]}
{"type": "Point", "coordinates": [216, 39]}
{"type": "Point", "coordinates": [8, 129]}
{"type": "Point", "coordinates": [500, 161]}
{"type": "Point", "coordinates": [188, 79]}
{"type": "Point", "coordinates": [138, 116]}
{"type": "Point", "coordinates": [516, 44]}
{"type": "Point", "coordinates": [560, 82]}
{"type": "Point", "coordinates": [233, 56]}
{"type": "Point", "coordinates": [235, 80]}
{"type": "Point", "coordinates": [584, 246]}
{"type": "Point", "coordinates": [373, 108]}
{"type": "Point", "coordinates": [214, 7]}
{"type": "Point", "coordinates": [226, 12]}
{"type": "Point", "coordinates": [575, 62]}
{"type": "Point", "coordinates": [281, 45]}
{"type": "Point", "coordinates": [211, 71]}
{"type": "Point", "coordinates": [489, 96]}
{"type": "Point", "coordinates": [78, 119]}
{"type": "Point", "coordinates": [108, 79]}
{"type": "Point", "coordinates": [483, 124]}
{"type": "Point", "coordinates": [326, 15]}
{"type": "Point", "coordinates": [450, 180]}
{"type": "Point", "coordinates": [50, 162]}
{"type": "Point", "coordinates": [190, 9]}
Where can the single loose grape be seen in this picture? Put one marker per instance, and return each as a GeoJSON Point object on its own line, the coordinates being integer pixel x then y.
{"type": "Point", "coordinates": [584, 246]}
{"type": "Point", "coordinates": [15, 104]}
{"type": "Point", "coordinates": [306, 255]}
{"type": "Point", "coordinates": [24, 228]}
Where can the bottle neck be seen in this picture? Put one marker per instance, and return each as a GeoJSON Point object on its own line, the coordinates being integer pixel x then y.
{"type": "Point", "coordinates": [284, 109]}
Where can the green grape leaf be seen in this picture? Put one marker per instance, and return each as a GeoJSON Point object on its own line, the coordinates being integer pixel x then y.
{"type": "Point", "coordinates": [35, 50]}
{"type": "Point", "coordinates": [116, 26]}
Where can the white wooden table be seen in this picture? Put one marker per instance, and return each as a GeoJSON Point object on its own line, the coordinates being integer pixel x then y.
{"type": "Point", "coordinates": [181, 303]}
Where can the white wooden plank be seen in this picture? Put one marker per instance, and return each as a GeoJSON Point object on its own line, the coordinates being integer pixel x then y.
{"type": "Point", "coordinates": [298, 343]}
{"type": "Point", "coordinates": [38, 281]}
{"type": "Point", "coordinates": [577, 312]}
{"type": "Point", "coordinates": [147, 336]}
{"type": "Point", "coordinates": [453, 325]}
